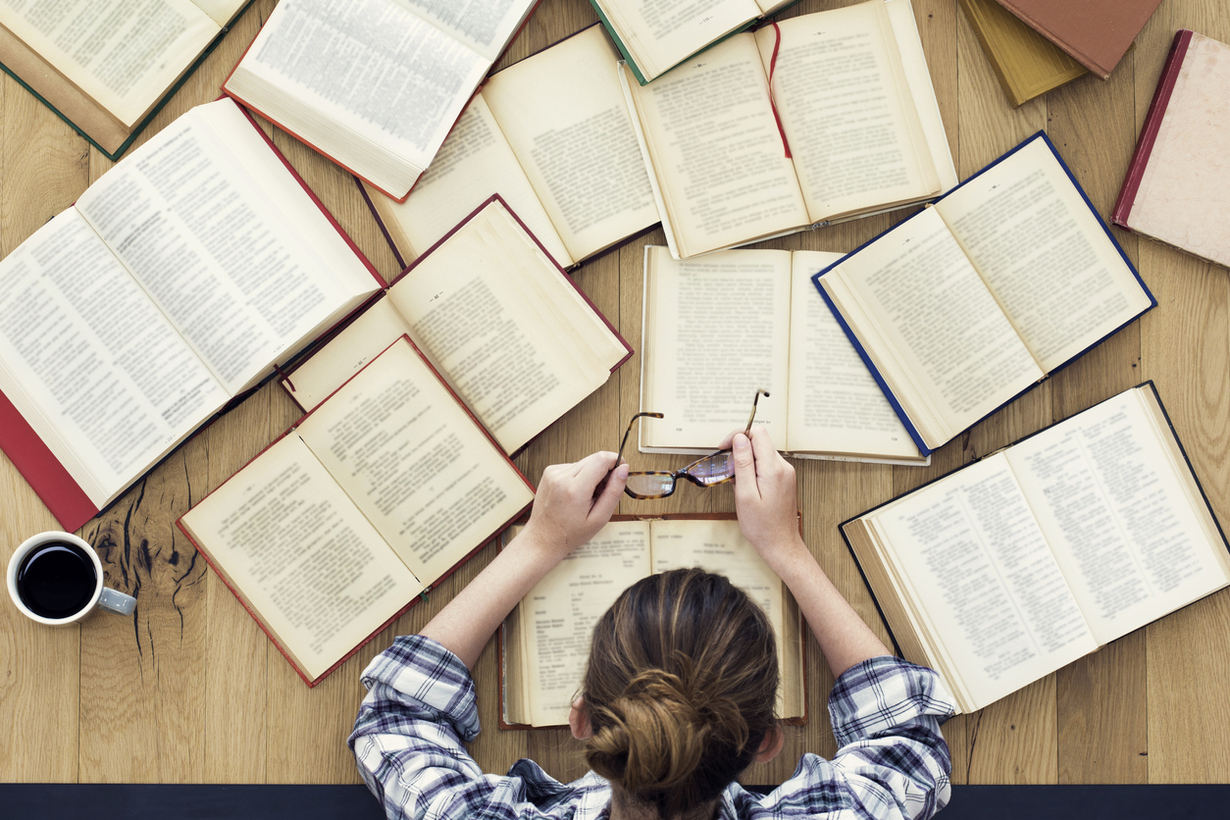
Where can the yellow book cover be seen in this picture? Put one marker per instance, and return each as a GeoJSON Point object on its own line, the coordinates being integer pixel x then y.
{"type": "Point", "coordinates": [1026, 63]}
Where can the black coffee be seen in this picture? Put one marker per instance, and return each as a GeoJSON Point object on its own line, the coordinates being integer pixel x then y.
{"type": "Point", "coordinates": [56, 580]}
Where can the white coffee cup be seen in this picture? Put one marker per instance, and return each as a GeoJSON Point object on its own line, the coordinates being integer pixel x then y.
{"type": "Point", "coordinates": [60, 575]}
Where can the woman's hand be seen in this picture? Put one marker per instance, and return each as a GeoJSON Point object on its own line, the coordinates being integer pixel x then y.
{"type": "Point", "coordinates": [566, 512]}
{"type": "Point", "coordinates": [565, 515]}
{"type": "Point", "coordinates": [765, 496]}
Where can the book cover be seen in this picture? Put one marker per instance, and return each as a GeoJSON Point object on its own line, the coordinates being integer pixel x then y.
{"type": "Point", "coordinates": [1026, 63]}
{"type": "Point", "coordinates": [1177, 183]}
{"type": "Point", "coordinates": [1095, 32]}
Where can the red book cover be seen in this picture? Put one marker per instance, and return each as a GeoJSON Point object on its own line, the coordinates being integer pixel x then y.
{"type": "Point", "coordinates": [430, 584]}
{"type": "Point", "coordinates": [1148, 132]}
{"type": "Point", "coordinates": [1097, 33]}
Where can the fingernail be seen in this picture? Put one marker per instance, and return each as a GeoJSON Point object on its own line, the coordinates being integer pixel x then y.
{"type": "Point", "coordinates": [622, 471]}
{"type": "Point", "coordinates": [740, 442]}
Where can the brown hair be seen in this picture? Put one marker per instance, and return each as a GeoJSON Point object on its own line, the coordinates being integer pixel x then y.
{"type": "Point", "coordinates": [681, 687]}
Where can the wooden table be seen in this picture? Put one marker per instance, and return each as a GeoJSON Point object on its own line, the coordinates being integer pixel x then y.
{"type": "Point", "coordinates": [190, 690]}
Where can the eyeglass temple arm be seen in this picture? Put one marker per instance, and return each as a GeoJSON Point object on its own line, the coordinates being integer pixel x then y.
{"type": "Point", "coordinates": [631, 422]}
{"type": "Point", "coordinates": [759, 392]}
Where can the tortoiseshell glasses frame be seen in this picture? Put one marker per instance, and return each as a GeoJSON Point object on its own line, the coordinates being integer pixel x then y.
{"type": "Point", "coordinates": [715, 468]}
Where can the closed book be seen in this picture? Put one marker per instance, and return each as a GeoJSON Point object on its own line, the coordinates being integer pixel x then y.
{"type": "Point", "coordinates": [1096, 32]}
{"type": "Point", "coordinates": [1176, 186]}
{"type": "Point", "coordinates": [1026, 63]}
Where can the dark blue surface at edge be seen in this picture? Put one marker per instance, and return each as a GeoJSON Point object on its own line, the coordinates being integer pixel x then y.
{"type": "Point", "coordinates": [185, 802]}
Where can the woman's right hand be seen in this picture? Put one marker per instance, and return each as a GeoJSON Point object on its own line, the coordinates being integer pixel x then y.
{"type": "Point", "coordinates": [765, 496]}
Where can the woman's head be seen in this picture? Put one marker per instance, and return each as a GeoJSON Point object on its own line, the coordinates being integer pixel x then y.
{"type": "Point", "coordinates": [680, 689]}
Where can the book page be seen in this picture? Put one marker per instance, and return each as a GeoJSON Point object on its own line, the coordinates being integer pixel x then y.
{"type": "Point", "coordinates": [559, 613]}
{"type": "Point", "coordinates": [331, 365]}
{"type": "Point", "coordinates": [978, 573]}
{"type": "Point", "coordinates": [473, 163]}
{"type": "Point", "coordinates": [382, 116]}
{"type": "Point", "coordinates": [506, 329]}
{"type": "Point", "coordinates": [220, 11]}
{"type": "Point", "coordinates": [1135, 541]}
{"type": "Point", "coordinates": [713, 336]}
{"type": "Point", "coordinates": [90, 363]}
{"type": "Point", "coordinates": [661, 33]}
{"type": "Point", "coordinates": [931, 326]}
{"type": "Point", "coordinates": [304, 559]}
{"type": "Point", "coordinates": [845, 105]}
{"type": "Point", "coordinates": [414, 462]}
{"type": "Point", "coordinates": [718, 546]}
{"type": "Point", "coordinates": [835, 406]}
{"type": "Point", "coordinates": [123, 53]}
{"type": "Point", "coordinates": [1044, 254]}
{"type": "Point", "coordinates": [564, 114]}
{"type": "Point", "coordinates": [484, 25]}
{"type": "Point", "coordinates": [716, 152]}
{"type": "Point", "coordinates": [217, 254]}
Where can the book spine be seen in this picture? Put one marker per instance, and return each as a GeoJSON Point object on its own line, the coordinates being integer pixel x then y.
{"type": "Point", "coordinates": [312, 196]}
{"type": "Point", "coordinates": [923, 448]}
{"type": "Point", "coordinates": [371, 206]}
{"type": "Point", "coordinates": [1122, 211]}
{"type": "Point", "coordinates": [619, 44]}
{"type": "Point", "coordinates": [39, 466]}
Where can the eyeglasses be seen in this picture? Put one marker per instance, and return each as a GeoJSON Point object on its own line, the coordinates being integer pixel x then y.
{"type": "Point", "coordinates": [716, 468]}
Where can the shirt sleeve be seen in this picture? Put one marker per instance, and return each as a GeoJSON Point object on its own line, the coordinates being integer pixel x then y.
{"type": "Point", "coordinates": [886, 715]}
{"type": "Point", "coordinates": [407, 740]}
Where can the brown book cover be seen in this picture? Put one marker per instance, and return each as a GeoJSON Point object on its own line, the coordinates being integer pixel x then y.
{"type": "Point", "coordinates": [1175, 191]}
{"type": "Point", "coordinates": [1096, 32]}
{"type": "Point", "coordinates": [1026, 63]}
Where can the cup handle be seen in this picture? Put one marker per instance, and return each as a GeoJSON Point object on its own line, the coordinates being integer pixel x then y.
{"type": "Point", "coordinates": [116, 602]}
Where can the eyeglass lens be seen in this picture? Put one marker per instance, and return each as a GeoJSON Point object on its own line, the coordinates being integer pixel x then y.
{"type": "Point", "coordinates": [650, 484]}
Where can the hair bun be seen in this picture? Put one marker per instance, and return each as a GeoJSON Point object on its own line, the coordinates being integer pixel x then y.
{"type": "Point", "coordinates": [653, 736]}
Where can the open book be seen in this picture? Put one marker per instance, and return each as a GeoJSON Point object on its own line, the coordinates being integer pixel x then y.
{"type": "Point", "coordinates": [719, 327]}
{"type": "Point", "coordinates": [655, 37]}
{"type": "Point", "coordinates": [504, 325]}
{"type": "Point", "coordinates": [106, 66]}
{"type": "Point", "coordinates": [857, 110]}
{"type": "Point", "coordinates": [967, 304]}
{"type": "Point", "coordinates": [373, 497]}
{"type": "Point", "coordinates": [177, 282]}
{"type": "Point", "coordinates": [374, 85]}
{"type": "Point", "coordinates": [552, 136]}
{"type": "Point", "coordinates": [545, 640]}
{"type": "Point", "coordinates": [1012, 567]}
{"type": "Point", "coordinates": [1176, 186]}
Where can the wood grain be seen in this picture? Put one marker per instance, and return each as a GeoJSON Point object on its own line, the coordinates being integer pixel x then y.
{"type": "Point", "coordinates": [189, 689]}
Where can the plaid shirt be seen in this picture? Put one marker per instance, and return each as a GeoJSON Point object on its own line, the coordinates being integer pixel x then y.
{"type": "Point", "coordinates": [421, 705]}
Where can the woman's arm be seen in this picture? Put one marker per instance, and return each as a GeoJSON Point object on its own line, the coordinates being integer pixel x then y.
{"type": "Point", "coordinates": [768, 507]}
{"type": "Point", "coordinates": [565, 515]}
